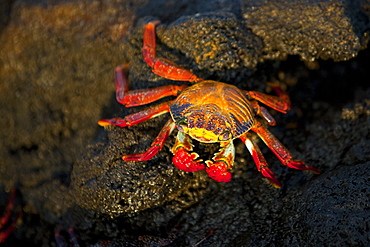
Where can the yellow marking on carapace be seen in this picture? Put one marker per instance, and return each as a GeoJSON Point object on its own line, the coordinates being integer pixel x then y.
{"type": "Point", "coordinates": [206, 135]}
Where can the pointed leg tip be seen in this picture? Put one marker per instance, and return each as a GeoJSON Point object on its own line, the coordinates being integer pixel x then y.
{"type": "Point", "coordinates": [314, 170]}
{"type": "Point", "coordinates": [103, 122]}
{"type": "Point", "coordinates": [276, 184]}
{"type": "Point", "coordinates": [121, 67]}
{"type": "Point", "coordinates": [114, 121]}
{"type": "Point", "coordinates": [300, 165]}
{"type": "Point", "coordinates": [154, 22]}
{"type": "Point", "coordinates": [270, 176]}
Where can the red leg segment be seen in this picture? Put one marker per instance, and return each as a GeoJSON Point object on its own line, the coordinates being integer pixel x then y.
{"type": "Point", "coordinates": [162, 66]}
{"type": "Point", "coordinates": [120, 82]}
{"type": "Point", "coordinates": [138, 117]}
{"type": "Point", "coordinates": [263, 113]}
{"type": "Point", "coordinates": [7, 228]}
{"type": "Point", "coordinates": [146, 96]}
{"type": "Point", "coordinates": [72, 237]}
{"type": "Point", "coordinates": [141, 96]}
{"type": "Point", "coordinates": [156, 146]}
{"type": "Point", "coordinates": [259, 160]}
{"type": "Point", "coordinates": [9, 208]}
{"type": "Point", "coordinates": [280, 103]}
{"type": "Point", "coordinates": [280, 150]}
{"type": "Point", "coordinates": [149, 43]}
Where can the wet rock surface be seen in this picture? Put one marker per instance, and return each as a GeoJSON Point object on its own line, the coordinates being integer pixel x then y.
{"type": "Point", "coordinates": [56, 82]}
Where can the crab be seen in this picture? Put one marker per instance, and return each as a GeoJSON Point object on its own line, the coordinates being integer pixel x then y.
{"type": "Point", "coordinates": [207, 111]}
{"type": "Point", "coordinates": [8, 223]}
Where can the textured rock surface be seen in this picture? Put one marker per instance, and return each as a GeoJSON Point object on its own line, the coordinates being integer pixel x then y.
{"type": "Point", "coordinates": [311, 29]}
{"type": "Point", "coordinates": [57, 60]}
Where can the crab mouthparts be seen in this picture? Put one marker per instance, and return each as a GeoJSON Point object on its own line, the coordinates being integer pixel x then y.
{"type": "Point", "coordinates": [202, 139]}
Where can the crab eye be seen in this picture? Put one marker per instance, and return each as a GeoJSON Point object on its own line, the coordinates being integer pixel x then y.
{"type": "Point", "coordinates": [225, 136]}
{"type": "Point", "coordinates": [181, 125]}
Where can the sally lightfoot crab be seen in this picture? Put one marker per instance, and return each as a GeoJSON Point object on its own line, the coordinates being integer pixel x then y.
{"type": "Point", "coordinates": [9, 221]}
{"type": "Point", "coordinates": [209, 112]}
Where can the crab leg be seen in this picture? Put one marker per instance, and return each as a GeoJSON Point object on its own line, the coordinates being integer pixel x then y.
{"type": "Point", "coordinates": [138, 117]}
{"type": "Point", "coordinates": [280, 150]}
{"type": "Point", "coordinates": [259, 160]}
{"type": "Point", "coordinates": [72, 237]}
{"type": "Point", "coordinates": [263, 113]}
{"type": "Point", "coordinates": [4, 219]}
{"type": "Point", "coordinates": [156, 146]}
{"type": "Point", "coordinates": [8, 208]}
{"type": "Point", "coordinates": [280, 103]}
{"type": "Point", "coordinates": [161, 66]}
{"type": "Point", "coordinates": [9, 230]}
{"type": "Point", "coordinates": [141, 96]}
{"type": "Point", "coordinates": [146, 96]}
{"type": "Point", "coordinates": [120, 80]}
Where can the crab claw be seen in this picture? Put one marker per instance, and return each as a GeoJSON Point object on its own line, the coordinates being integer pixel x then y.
{"type": "Point", "coordinates": [185, 161]}
{"type": "Point", "coordinates": [218, 171]}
